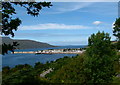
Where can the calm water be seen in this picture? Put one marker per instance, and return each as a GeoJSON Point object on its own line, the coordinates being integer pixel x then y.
{"type": "Point", "coordinates": [15, 59]}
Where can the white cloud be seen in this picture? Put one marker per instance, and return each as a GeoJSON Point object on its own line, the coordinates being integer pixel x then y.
{"type": "Point", "coordinates": [63, 7]}
{"type": "Point", "coordinates": [72, 6]}
{"type": "Point", "coordinates": [97, 22]}
{"type": "Point", "coordinates": [53, 26]}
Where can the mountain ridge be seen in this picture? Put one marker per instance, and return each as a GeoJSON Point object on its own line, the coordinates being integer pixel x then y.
{"type": "Point", "coordinates": [26, 43]}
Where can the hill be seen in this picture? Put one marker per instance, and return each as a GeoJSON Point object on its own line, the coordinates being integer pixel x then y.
{"type": "Point", "coordinates": [26, 44]}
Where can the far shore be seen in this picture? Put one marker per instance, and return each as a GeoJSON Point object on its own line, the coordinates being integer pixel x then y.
{"type": "Point", "coordinates": [48, 53]}
{"type": "Point", "coordinates": [53, 51]}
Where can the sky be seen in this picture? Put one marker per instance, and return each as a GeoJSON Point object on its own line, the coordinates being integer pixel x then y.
{"type": "Point", "coordinates": [67, 23]}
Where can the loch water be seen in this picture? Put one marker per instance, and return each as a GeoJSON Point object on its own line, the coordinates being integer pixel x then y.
{"type": "Point", "coordinates": [14, 59]}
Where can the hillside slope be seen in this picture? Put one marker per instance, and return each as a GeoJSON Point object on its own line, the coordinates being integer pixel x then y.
{"type": "Point", "coordinates": [26, 44]}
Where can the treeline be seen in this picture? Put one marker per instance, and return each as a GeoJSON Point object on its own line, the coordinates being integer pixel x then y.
{"type": "Point", "coordinates": [23, 74]}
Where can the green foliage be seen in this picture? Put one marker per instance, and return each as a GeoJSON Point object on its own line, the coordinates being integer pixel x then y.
{"type": "Point", "coordinates": [116, 32]}
{"type": "Point", "coordinates": [71, 72]}
{"type": "Point", "coordinates": [56, 65]}
{"type": "Point", "coordinates": [60, 62]}
{"type": "Point", "coordinates": [39, 67]}
{"type": "Point", "coordinates": [9, 23]}
{"type": "Point", "coordinates": [99, 45]}
{"type": "Point", "coordinates": [8, 47]}
{"type": "Point", "coordinates": [116, 29]}
{"type": "Point", "coordinates": [21, 75]}
{"type": "Point", "coordinates": [6, 70]}
{"type": "Point", "coordinates": [100, 59]}
{"type": "Point", "coordinates": [116, 81]}
{"type": "Point", "coordinates": [118, 45]}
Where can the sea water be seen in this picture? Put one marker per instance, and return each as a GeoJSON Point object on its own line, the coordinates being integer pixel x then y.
{"type": "Point", "coordinates": [14, 59]}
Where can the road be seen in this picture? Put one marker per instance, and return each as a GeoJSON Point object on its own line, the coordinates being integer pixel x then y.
{"type": "Point", "coordinates": [46, 72]}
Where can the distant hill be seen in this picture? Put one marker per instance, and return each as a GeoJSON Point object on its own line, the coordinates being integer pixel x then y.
{"type": "Point", "coordinates": [26, 44]}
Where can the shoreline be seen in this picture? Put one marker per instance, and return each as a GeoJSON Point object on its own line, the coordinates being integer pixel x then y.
{"type": "Point", "coordinates": [48, 53]}
{"type": "Point", "coordinates": [53, 51]}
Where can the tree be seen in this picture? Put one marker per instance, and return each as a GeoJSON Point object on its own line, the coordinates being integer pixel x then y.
{"type": "Point", "coordinates": [9, 47]}
{"type": "Point", "coordinates": [116, 29]}
{"type": "Point", "coordinates": [100, 59]}
{"type": "Point", "coordinates": [116, 32]}
{"type": "Point", "coordinates": [99, 44]}
{"type": "Point", "coordinates": [70, 71]}
{"type": "Point", "coordinates": [38, 65]}
{"type": "Point", "coordinates": [10, 24]}
{"type": "Point", "coordinates": [5, 70]}
{"type": "Point", "coordinates": [21, 75]}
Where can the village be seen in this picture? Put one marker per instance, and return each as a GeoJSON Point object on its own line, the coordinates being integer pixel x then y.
{"type": "Point", "coordinates": [56, 51]}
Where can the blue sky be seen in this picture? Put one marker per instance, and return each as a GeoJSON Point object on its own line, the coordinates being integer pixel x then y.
{"type": "Point", "coordinates": [67, 23]}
